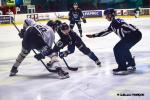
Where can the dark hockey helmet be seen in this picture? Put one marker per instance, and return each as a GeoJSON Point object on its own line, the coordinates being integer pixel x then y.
{"type": "Point", "coordinates": [58, 22]}
{"type": "Point", "coordinates": [51, 23]}
{"type": "Point", "coordinates": [75, 4]}
{"type": "Point", "coordinates": [64, 26]}
{"type": "Point", "coordinates": [109, 11]}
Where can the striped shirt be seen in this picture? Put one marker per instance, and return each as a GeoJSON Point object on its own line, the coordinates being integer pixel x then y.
{"type": "Point", "coordinates": [119, 27]}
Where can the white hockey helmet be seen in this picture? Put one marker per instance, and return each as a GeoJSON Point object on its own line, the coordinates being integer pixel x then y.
{"type": "Point", "coordinates": [28, 22]}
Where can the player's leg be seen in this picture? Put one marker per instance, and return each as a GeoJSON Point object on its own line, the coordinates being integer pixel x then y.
{"type": "Point", "coordinates": [79, 27]}
{"type": "Point", "coordinates": [29, 42]}
{"type": "Point", "coordinates": [26, 47]}
{"type": "Point", "coordinates": [122, 51]}
{"type": "Point", "coordinates": [55, 63]}
{"type": "Point", "coordinates": [82, 47]}
{"type": "Point", "coordinates": [72, 23]}
{"type": "Point", "coordinates": [119, 51]}
{"type": "Point", "coordinates": [18, 61]}
{"type": "Point", "coordinates": [132, 40]}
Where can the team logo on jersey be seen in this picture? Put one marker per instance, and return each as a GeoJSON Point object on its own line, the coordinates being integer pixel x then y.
{"type": "Point", "coordinates": [75, 15]}
{"type": "Point", "coordinates": [59, 44]}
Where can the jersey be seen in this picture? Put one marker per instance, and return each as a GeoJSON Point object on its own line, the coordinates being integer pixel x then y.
{"type": "Point", "coordinates": [70, 40]}
{"type": "Point", "coordinates": [75, 14]}
{"type": "Point", "coordinates": [45, 31]}
{"type": "Point", "coordinates": [118, 26]}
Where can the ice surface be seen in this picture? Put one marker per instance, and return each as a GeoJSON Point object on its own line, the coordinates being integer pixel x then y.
{"type": "Point", "coordinates": [34, 82]}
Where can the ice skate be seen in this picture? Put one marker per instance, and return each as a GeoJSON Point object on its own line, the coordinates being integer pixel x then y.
{"type": "Point", "coordinates": [98, 63]}
{"type": "Point", "coordinates": [120, 71]}
{"type": "Point", "coordinates": [81, 35]}
{"type": "Point", "coordinates": [13, 71]}
{"type": "Point", "coordinates": [62, 74]}
{"type": "Point", "coordinates": [131, 65]}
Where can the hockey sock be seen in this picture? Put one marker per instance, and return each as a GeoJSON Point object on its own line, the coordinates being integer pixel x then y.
{"type": "Point", "coordinates": [20, 57]}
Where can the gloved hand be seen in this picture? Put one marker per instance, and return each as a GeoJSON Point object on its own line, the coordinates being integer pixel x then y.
{"type": "Point", "coordinates": [43, 54]}
{"type": "Point", "coordinates": [90, 36]}
{"type": "Point", "coordinates": [63, 54]}
{"type": "Point", "coordinates": [21, 33]}
{"type": "Point", "coordinates": [84, 20]}
{"type": "Point", "coordinates": [39, 56]}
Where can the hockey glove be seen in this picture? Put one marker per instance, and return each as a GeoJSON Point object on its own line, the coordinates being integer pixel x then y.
{"type": "Point", "coordinates": [21, 33]}
{"type": "Point", "coordinates": [63, 54]}
{"type": "Point", "coordinates": [84, 20]}
{"type": "Point", "coordinates": [43, 54]}
{"type": "Point", "coordinates": [39, 56]}
{"type": "Point", "coordinates": [90, 36]}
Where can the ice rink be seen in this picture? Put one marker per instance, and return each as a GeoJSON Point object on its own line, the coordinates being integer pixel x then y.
{"type": "Point", "coordinates": [34, 82]}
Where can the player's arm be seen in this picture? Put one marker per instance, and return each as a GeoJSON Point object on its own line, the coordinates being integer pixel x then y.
{"type": "Point", "coordinates": [48, 51]}
{"type": "Point", "coordinates": [45, 51]}
{"type": "Point", "coordinates": [82, 16]}
{"type": "Point", "coordinates": [71, 49]}
{"type": "Point", "coordinates": [80, 12]}
{"type": "Point", "coordinates": [100, 34]}
{"type": "Point", "coordinates": [70, 15]}
{"type": "Point", "coordinates": [21, 33]}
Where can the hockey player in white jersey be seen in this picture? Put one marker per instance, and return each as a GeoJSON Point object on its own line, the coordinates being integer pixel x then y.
{"type": "Point", "coordinates": [41, 38]}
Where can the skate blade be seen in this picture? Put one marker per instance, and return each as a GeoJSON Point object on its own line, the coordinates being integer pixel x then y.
{"type": "Point", "coordinates": [99, 65]}
{"type": "Point", "coordinates": [12, 74]}
{"type": "Point", "coordinates": [131, 69]}
{"type": "Point", "coordinates": [122, 73]}
{"type": "Point", "coordinates": [64, 77]}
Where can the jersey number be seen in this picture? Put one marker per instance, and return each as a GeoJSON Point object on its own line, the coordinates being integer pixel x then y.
{"type": "Point", "coordinates": [41, 29]}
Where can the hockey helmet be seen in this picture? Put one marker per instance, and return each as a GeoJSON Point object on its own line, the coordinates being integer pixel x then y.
{"type": "Point", "coordinates": [75, 4]}
{"type": "Point", "coordinates": [64, 26]}
{"type": "Point", "coordinates": [109, 11]}
{"type": "Point", "coordinates": [51, 23]}
{"type": "Point", "coordinates": [28, 22]}
{"type": "Point", "coordinates": [58, 22]}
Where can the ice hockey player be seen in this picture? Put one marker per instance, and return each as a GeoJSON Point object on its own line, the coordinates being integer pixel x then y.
{"type": "Point", "coordinates": [75, 16]}
{"type": "Point", "coordinates": [41, 38]}
{"type": "Point", "coordinates": [69, 38]}
{"type": "Point", "coordinates": [129, 35]}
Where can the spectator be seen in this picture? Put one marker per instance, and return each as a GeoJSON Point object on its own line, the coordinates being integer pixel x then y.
{"type": "Point", "coordinates": [9, 12]}
{"type": "Point", "coordinates": [1, 13]}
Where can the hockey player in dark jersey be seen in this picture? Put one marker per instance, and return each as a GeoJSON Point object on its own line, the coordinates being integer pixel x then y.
{"type": "Point", "coordinates": [129, 35]}
{"type": "Point", "coordinates": [69, 38]}
{"type": "Point", "coordinates": [41, 38]}
{"type": "Point", "coordinates": [75, 16]}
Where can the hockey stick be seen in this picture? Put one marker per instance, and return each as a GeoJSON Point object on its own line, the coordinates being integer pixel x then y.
{"type": "Point", "coordinates": [59, 16]}
{"type": "Point", "coordinates": [70, 68]}
{"type": "Point", "coordinates": [50, 70]}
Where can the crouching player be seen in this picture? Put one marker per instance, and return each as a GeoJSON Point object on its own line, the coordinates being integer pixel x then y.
{"type": "Point", "coordinates": [40, 37]}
